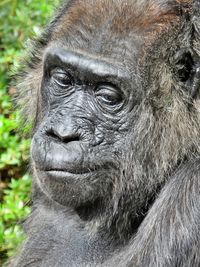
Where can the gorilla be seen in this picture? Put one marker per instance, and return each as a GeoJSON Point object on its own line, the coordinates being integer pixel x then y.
{"type": "Point", "coordinates": [111, 88]}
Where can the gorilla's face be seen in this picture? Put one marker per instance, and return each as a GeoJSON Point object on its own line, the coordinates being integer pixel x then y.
{"type": "Point", "coordinates": [77, 147]}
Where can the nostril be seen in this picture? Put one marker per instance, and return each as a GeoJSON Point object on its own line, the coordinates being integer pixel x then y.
{"type": "Point", "coordinates": [50, 133]}
{"type": "Point", "coordinates": [62, 136]}
{"type": "Point", "coordinates": [71, 138]}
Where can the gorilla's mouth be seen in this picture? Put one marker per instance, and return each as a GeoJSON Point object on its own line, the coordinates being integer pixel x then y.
{"type": "Point", "coordinates": [68, 171]}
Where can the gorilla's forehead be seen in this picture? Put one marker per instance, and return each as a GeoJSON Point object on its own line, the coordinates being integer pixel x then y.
{"type": "Point", "coordinates": [104, 26]}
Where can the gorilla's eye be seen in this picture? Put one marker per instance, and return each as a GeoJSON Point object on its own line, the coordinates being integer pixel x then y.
{"type": "Point", "coordinates": [61, 77]}
{"type": "Point", "coordinates": [108, 94]}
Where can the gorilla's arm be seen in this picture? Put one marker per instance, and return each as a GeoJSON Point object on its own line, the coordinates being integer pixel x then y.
{"type": "Point", "coordinates": [169, 234]}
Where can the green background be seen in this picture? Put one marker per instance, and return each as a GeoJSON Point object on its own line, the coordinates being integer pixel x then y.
{"type": "Point", "coordinates": [19, 21]}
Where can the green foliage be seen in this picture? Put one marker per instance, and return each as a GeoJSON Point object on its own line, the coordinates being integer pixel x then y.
{"type": "Point", "coordinates": [13, 149]}
{"type": "Point", "coordinates": [13, 209]}
{"type": "Point", "coordinates": [19, 20]}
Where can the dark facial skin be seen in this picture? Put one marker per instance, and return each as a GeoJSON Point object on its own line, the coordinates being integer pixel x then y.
{"type": "Point", "coordinates": [85, 112]}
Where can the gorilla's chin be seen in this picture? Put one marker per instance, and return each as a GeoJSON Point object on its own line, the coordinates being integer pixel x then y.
{"type": "Point", "coordinates": [72, 189]}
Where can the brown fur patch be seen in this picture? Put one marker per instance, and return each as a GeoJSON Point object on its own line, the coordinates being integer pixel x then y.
{"type": "Point", "coordinates": [122, 17]}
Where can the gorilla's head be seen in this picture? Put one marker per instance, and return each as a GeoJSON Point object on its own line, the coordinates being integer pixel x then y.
{"type": "Point", "coordinates": [115, 87]}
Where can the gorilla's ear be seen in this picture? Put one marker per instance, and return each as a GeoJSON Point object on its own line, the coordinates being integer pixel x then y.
{"type": "Point", "coordinates": [188, 60]}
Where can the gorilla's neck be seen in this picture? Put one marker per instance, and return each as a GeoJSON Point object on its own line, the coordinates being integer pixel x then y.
{"type": "Point", "coordinates": [55, 229]}
{"type": "Point", "coordinates": [91, 232]}
{"type": "Point", "coordinates": [115, 218]}
{"type": "Point", "coordinates": [99, 219]}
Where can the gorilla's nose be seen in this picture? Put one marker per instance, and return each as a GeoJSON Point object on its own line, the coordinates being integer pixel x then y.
{"type": "Point", "coordinates": [63, 133]}
{"type": "Point", "coordinates": [63, 151]}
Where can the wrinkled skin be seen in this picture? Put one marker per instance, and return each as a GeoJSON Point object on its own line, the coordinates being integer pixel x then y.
{"type": "Point", "coordinates": [85, 113]}
{"type": "Point", "coordinates": [113, 89]}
